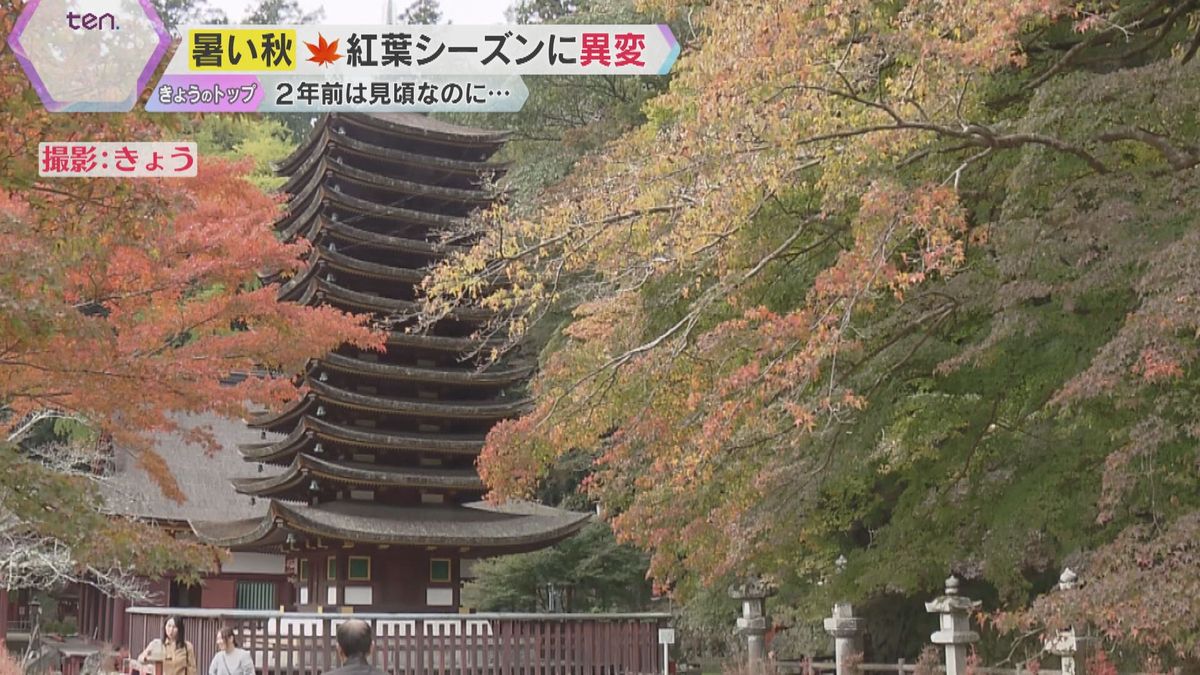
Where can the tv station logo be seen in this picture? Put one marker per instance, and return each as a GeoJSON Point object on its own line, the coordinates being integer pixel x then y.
{"type": "Point", "coordinates": [94, 56]}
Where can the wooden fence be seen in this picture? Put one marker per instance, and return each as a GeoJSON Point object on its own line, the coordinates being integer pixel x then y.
{"type": "Point", "coordinates": [425, 644]}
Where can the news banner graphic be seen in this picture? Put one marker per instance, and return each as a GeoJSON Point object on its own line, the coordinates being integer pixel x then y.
{"type": "Point", "coordinates": [394, 68]}
{"type": "Point", "coordinates": [99, 55]}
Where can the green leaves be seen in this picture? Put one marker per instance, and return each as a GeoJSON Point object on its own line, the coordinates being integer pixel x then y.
{"type": "Point", "coordinates": [605, 576]}
{"type": "Point", "coordinates": [262, 139]}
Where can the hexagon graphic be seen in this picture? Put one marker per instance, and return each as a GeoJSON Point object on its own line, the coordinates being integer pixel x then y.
{"type": "Point", "coordinates": [89, 55]}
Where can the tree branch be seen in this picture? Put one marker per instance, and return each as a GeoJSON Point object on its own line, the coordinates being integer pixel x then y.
{"type": "Point", "coordinates": [1179, 158]}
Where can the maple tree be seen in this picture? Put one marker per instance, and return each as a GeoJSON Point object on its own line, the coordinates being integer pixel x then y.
{"type": "Point", "coordinates": [883, 279]}
{"type": "Point", "coordinates": [124, 302]}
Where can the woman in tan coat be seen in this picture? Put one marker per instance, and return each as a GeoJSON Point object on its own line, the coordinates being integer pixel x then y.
{"type": "Point", "coordinates": [176, 654]}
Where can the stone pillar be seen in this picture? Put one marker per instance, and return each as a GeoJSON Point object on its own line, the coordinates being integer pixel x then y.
{"type": "Point", "coordinates": [847, 635]}
{"type": "Point", "coordinates": [1074, 648]}
{"type": "Point", "coordinates": [954, 612]}
{"type": "Point", "coordinates": [753, 595]}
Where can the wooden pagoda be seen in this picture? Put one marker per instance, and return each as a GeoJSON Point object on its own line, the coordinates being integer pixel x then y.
{"type": "Point", "coordinates": [368, 483]}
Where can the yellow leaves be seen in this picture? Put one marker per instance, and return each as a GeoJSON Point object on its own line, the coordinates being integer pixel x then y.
{"type": "Point", "coordinates": [599, 321]}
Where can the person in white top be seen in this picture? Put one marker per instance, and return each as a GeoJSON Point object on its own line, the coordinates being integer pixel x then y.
{"type": "Point", "coordinates": [229, 659]}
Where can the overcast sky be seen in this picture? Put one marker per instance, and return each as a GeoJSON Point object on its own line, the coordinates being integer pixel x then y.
{"type": "Point", "coordinates": [370, 12]}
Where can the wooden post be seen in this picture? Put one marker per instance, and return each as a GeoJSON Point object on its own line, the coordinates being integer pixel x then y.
{"type": "Point", "coordinates": [106, 612]}
{"type": "Point", "coordinates": [3, 613]}
{"type": "Point", "coordinates": [85, 611]}
{"type": "Point", "coordinates": [120, 627]}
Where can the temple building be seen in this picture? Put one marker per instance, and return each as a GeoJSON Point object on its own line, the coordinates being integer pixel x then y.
{"type": "Point", "coordinates": [367, 485]}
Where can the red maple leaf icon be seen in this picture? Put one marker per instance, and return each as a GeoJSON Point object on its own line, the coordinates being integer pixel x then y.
{"type": "Point", "coordinates": [323, 53]}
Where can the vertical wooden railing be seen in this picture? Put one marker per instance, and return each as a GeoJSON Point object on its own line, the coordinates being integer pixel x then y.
{"type": "Point", "coordinates": [426, 644]}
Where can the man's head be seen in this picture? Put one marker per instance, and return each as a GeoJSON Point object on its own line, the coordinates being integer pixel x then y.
{"type": "Point", "coordinates": [354, 639]}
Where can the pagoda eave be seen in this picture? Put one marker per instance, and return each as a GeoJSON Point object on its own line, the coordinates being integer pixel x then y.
{"type": "Point", "coordinates": [310, 429]}
{"type": "Point", "coordinates": [287, 416]}
{"type": "Point", "coordinates": [306, 467]}
{"type": "Point", "coordinates": [302, 185]}
{"type": "Point", "coordinates": [421, 127]}
{"type": "Point", "coordinates": [400, 125]}
{"type": "Point", "coordinates": [478, 525]}
{"type": "Point", "coordinates": [312, 289]}
{"type": "Point", "coordinates": [343, 146]}
{"type": "Point", "coordinates": [450, 409]}
{"type": "Point", "coordinates": [461, 345]}
{"type": "Point", "coordinates": [458, 444]}
{"type": "Point", "coordinates": [297, 218]}
{"type": "Point", "coordinates": [332, 227]}
{"type": "Point", "coordinates": [334, 198]}
{"type": "Point", "coordinates": [326, 258]}
{"type": "Point", "coordinates": [387, 371]}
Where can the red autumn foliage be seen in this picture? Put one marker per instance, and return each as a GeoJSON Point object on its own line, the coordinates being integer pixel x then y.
{"type": "Point", "coordinates": [123, 301]}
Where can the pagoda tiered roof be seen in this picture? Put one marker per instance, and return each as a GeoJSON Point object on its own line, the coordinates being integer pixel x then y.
{"type": "Point", "coordinates": [305, 467]}
{"type": "Point", "coordinates": [482, 527]}
{"type": "Point", "coordinates": [322, 393]}
{"type": "Point", "coordinates": [381, 198]}
{"type": "Point", "coordinates": [310, 430]}
{"type": "Point", "coordinates": [495, 376]}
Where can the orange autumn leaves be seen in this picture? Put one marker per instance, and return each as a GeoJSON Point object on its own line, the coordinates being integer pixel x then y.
{"type": "Point", "coordinates": [124, 301]}
{"type": "Point", "coordinates": [722, 421]}
{"type": "Point", "coordinates": [123, 317]}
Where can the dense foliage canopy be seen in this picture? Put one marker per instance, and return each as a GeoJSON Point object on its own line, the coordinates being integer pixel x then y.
{"type": "Point", "coordinates": [909, 282]}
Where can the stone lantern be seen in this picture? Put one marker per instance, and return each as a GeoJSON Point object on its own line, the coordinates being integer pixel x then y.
{"type": "Point", "coordinates": [955, 634]}
{"type": "Point", "coordinates": [753, 594]}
